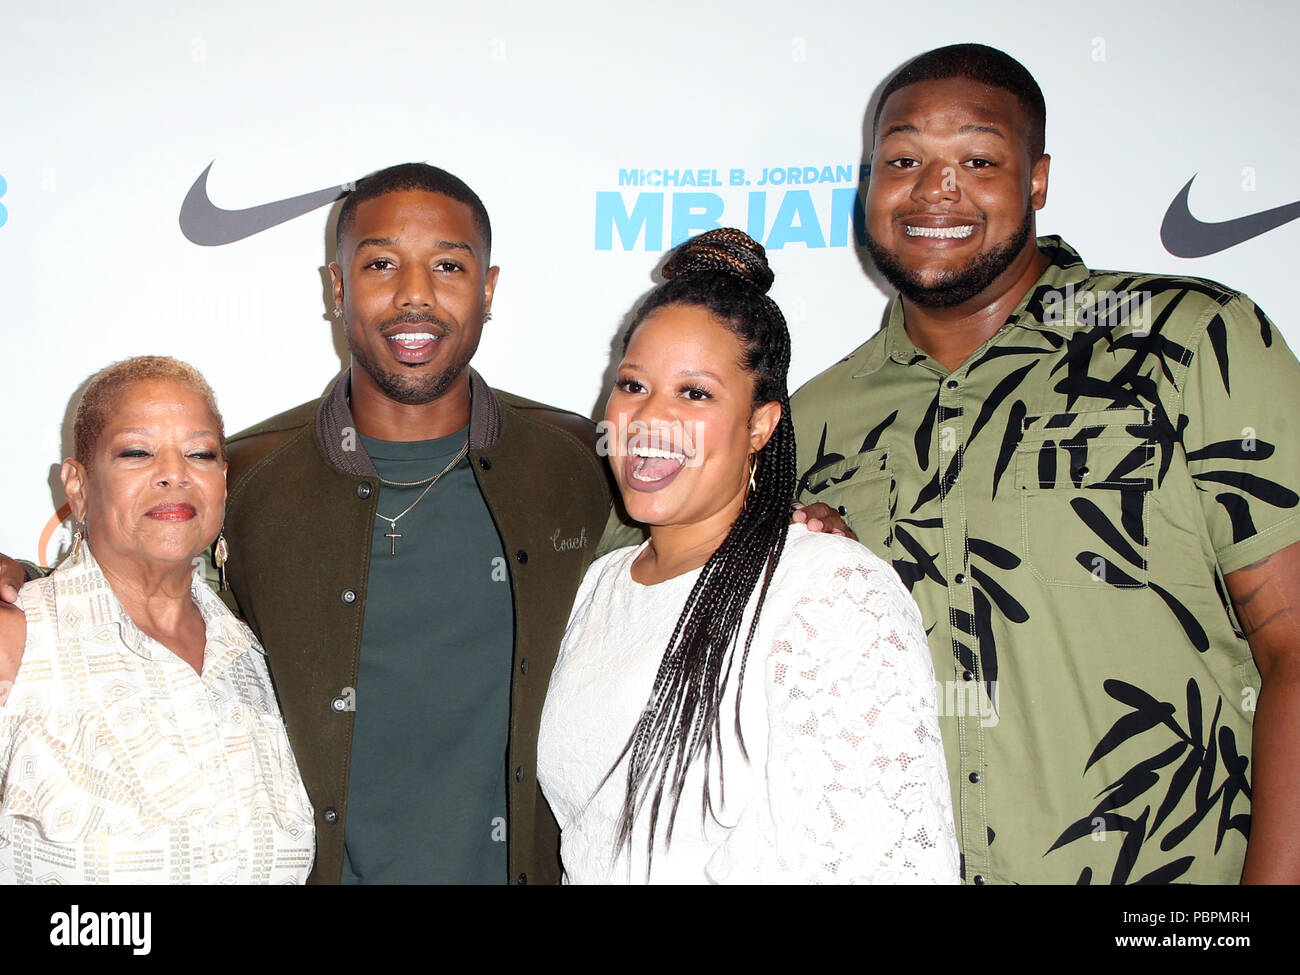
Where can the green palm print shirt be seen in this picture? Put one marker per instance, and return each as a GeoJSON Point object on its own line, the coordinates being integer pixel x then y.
{"type": "Point", "coordinates": [1064, 508]}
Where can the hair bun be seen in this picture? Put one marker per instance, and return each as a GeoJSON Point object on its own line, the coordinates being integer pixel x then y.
{"type": "Point", "coordinates": [726, 249]}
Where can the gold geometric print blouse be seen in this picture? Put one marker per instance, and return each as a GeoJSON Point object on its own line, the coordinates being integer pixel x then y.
{"type": "Point", "coordinates": [120, 765]}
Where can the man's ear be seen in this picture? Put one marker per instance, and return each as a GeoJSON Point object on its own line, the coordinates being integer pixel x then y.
{"type": "Point", "coordinates": [489, 288]}
{"type": "Point", "coordinates": [762, 424]}
{"type": "Point", "coordinates": [336, 275]}
{"type": "Point", "coordinates": [73, 475]}
{"type": "Point", "coordinates": [1038, 181]}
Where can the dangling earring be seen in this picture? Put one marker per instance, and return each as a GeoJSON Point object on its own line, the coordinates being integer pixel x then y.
{"type": "Point", "coordinates": [78, 533]}
{"type": "Point", "coordinates": [219, 555]}
{"type": "Point", "coordinates": [753, 466]}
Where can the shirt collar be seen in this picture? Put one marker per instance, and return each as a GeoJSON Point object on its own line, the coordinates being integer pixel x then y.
{"type": "Point", "coordinates": [336, 428]}
{"type": "Point", "coordinates": [1065, 272]}
{"type": "Point", "coordinates": [87, 604]}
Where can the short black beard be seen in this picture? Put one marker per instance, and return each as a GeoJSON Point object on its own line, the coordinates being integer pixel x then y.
{"type": "Point", "coordinates": [410, 390]}
{"type": "Point", "coordinates": [956, 287]}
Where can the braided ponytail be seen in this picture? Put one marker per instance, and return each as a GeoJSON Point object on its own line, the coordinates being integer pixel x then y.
{"type": "Point", "coordinates": [726, 273]}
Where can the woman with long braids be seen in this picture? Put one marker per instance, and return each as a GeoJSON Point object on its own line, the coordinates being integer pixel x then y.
{"type": "Point", "coordinates": [738, 699]}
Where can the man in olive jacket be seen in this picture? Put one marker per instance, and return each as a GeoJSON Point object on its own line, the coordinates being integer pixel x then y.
{"type": "Point", "coordinates": [299, 521]}
{"type": "Point", "coordinates": [318, 539]}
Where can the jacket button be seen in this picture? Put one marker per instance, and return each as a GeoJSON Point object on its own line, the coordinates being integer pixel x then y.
{"type": "Point", "coordinates": [959, 578]}
{"type": "Point", "coordinates": [842, 510]}
{"type": "Point", "coordinates": [967, 675]}
{"type": "Point", "coordinates": [363, 490]}
{"type": "Point", "coordinates": [523, 878]}
{"type": "Point", "coordinates": [339, 704]}
{"type": "Point", "coordinates": [330, 815]}
{"type": "Point", "coordinates": [979, 880]}
{"type": "Point", "coordinates": [952, 384]}
{"type": "Point", "coordinates": [519, 774]}
{"type": "Point", "coordinates": [1081, 473]}
{"type": "Point", "coordinates": [485, 463]}
{"type": "Point", "coordinates": [349, 596]}
{"type": "Point", "coordinates": [523, 666]}
{"type": "Point", "coordinates": [521, 557]}
{"type": "Point", "coordinates": [974, 776]}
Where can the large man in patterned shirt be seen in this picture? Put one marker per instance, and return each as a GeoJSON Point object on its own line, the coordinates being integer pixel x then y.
{"type": "Point", "coordinates": [1088, 480]}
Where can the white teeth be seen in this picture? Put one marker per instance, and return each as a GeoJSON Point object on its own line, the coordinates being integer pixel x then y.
{"type": "Point", "coordinates": [412, 337]}
{"type": "Point", "coordinates": [957, 233]}
{"type": "Point", "coordinates": [640, 451]}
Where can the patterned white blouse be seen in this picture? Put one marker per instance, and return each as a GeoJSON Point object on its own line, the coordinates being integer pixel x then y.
{"type": "Point", "coordinates": [846, 780]}
{"type": "Point", "coordinates": [120, 765]}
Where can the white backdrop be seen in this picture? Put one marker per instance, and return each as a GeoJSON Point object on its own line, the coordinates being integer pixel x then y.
{"type": "Point", "coordinates": [110, 113]}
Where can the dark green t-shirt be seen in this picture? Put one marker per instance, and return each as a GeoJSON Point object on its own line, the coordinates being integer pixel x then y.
{"type": "Point", "coordinates": [426, 789]}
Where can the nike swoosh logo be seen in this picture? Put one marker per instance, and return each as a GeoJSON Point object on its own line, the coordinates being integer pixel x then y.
{"type": "Point", "coordinates": [205, 223]}
{"type": "Point", "coordinates": [1185, 236]}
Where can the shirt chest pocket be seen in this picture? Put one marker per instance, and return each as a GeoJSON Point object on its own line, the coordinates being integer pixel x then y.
{"type": "Point", "coordinates": [1085, 482]}
{"type": "Point", "coordinates": [862, 487]}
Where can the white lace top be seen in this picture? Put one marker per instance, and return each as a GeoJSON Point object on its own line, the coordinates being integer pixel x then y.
{"type": "Point", "coordinates": [846, 780]}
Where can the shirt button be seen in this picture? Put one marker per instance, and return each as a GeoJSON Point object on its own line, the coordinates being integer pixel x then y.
{"type": "Point", "coordinates": [523, 666]}
{"type": "Point", "coordinates": [959, 578]}
{"type": "Point", "coordinates": [974, 776]}
{"type": "Point", "coordinates": [339, 704]}
{"type": "Point", "coordinates": [519, 774]}
{"type": "Point", "coordinates": [523, 878]}
{"type": "Point", "coordinates": [349, 596]}
{"type": "Point", "coordinates": [485, 463]}
{"type": "Point", "coordinates": [330, 815]}
{"type": "Point", "coordinates": [979, 880]}
{"type": "Point", "coordinates": [842, 510]}
{"type": "Point", "coordinates": [950, 481]}
{"type": "Point", "coordinates": [521, 557]}
{"type": "Point", "coordinates": [1080, 473]}
{"type": "Point", "coordinates": [967, 675]}
{"type": "Point", "coordinates": [952, 384]}
{"type": "Point", "coordinates": [363, 490]}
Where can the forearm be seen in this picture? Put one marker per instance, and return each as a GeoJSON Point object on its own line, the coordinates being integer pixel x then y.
{"type": "Point", "coordinates": [1273, 854]}
{"type": "Point", "coordinates": [1266, 597]}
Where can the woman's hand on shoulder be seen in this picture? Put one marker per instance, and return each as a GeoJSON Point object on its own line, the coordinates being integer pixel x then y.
{"type": "Point", "coordinates": [13, 637]}
{"type": "Point", "coordinates": [12, 577]}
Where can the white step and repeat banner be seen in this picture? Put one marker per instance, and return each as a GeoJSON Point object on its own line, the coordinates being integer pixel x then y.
{"type": "Point", "coordinates": [598, 135]}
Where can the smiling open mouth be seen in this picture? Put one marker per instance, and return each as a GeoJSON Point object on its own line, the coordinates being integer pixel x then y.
{"type": "Point", "coordinates": [413, 348]}
{"type": "Point", "coordinates": [413, 340]}
{"type": "Point", "coordinates": [655, 464]}
{"type": "Point", "coordinates": [648, 469]}
{"type": "Point", "coordinates": [948, 233]}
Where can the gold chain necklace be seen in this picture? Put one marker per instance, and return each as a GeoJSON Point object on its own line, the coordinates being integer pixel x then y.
{"type": "Point", "coordinates": [393, 534]}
